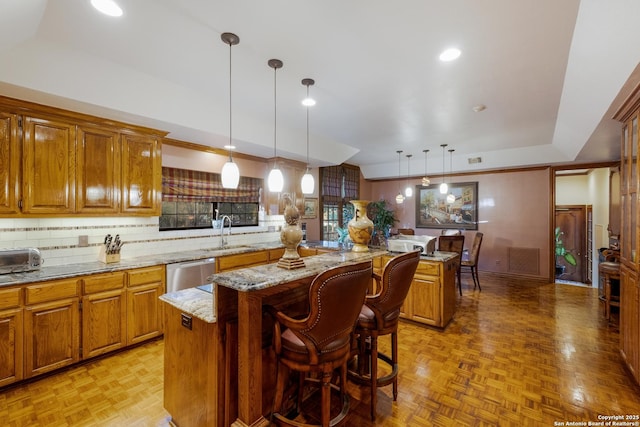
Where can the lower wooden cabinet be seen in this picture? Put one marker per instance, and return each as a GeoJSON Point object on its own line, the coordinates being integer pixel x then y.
{"type": "Point", "coordinates": [103, 314]}
{"type": "Point", "coordinates": [11, 349]}
{"type": "Point", "coordinates": [630, 320]}
{"type": "Point", "coordinates": [144, 312]}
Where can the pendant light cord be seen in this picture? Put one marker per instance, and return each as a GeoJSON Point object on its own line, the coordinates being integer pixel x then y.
{"type": "Point", "coordinates": [307, 130]}
{"type": "Point", "coordinates": [230, 110]}
{"type": "Point", "coordinates": [275, 115]}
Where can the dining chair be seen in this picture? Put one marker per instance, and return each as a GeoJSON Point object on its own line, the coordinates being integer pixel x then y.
{"type": "Point", "coordinates": [472, 262]}
{"type": "Point", "coordinates": [406, 231]}
{"type": "Point", "coordinates": [453, 244]}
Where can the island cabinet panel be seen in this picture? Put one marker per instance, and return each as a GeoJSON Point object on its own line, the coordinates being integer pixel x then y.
{"type": "Point", "coordinates": [630, 321]}
{"type": "Point", "coordinates": [10, 164]}
{"type": "Point", "coordinates": [191, 353]}
{"type": "Point", "coordinates": [141, 174]}
{"type": "Point", "coordinates": [11, 336]}
{"type": "Point", "coordinates": [98, 170]}
{"type": "Point", "coordinates": [144, 311]}
{"type": "Point", "coordinates": [103, 314]}
{"type": "Point", "coordinates": [49, 165]}
{"type": "Point", "coordinates": [233, 262]}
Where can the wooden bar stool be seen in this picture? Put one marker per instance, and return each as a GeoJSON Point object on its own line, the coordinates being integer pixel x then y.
{"type": "Point", "coordinates": [321, 342]}
{"type": "Point", "coordinates": [609, 271]}
{"type": "Point", "coordinates": [379, 316]}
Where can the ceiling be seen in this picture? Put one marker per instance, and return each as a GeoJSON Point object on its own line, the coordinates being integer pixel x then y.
{"type": "Point", "coordinates": [550, 73]}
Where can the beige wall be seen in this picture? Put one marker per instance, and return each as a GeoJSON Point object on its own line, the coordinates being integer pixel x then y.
{"type": "Point", "coordinates": [513, 212]}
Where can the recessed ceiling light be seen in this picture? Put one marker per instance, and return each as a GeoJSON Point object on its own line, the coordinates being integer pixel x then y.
{"type": "Point", "coordinates": [450, 54]}
{"type": "Point", "coordinates": [479, 107]}
{"type": "Point", "coordinates": [108, 7]}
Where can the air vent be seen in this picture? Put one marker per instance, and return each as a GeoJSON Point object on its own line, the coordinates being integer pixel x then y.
{"type": "Point", "coordinates": [473, 160]}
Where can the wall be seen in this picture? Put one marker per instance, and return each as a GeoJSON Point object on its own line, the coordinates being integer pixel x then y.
{"type": "Point", "coordinates": [513, 212]}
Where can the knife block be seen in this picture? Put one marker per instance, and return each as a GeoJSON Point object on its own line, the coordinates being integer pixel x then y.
{"type": "Point", "coordinates": [108, 258]}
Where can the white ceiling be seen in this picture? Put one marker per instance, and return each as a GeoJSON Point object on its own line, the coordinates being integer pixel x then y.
{"type": "Point", "coordinates": [547, 70]}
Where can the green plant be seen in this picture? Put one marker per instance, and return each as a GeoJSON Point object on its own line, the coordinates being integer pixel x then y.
{"type": "Point", "coordinates": [382, 217]}
{"type": "Point", "coordinates": [561, 251]}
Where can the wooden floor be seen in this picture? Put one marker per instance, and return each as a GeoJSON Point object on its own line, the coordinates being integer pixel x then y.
{"type": "Point", "coordinates": [516, 354]}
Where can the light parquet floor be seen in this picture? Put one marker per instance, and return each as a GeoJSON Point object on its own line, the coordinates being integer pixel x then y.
{"type": "Point", "coordinates": [516, 354]}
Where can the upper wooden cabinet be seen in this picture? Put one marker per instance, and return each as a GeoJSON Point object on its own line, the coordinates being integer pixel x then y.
{"type": "Point", "coordinates": [55, 162]}
{"type": "Point", "coordinates": [141, 174]}
{"type": "Point", "coordinates": [10, 161]}
{"type": "Point", "coordinates": [49, 166]}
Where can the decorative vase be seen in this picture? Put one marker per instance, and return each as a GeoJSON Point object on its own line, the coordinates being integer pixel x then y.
{"type": "Point", "coordinates": [291, 236]}
{"type": "Point", "coordinates": [360, 226]}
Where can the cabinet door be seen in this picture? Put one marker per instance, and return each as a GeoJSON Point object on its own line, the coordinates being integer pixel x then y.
{"type": "Point", "coordinates": [11, 348]}
{"type": "Point", "coordinates": [425, 298]}
{"type": "Point", "coordinates": [9, 164]}
{"type": "Point", "coordinates": [49, 164]}
{"type": "Point", "coordinates": [103, 322]}
{"type": "Point", "coordinates": [630, 321]}
{"type": "Point", "coordinates": [98, 171]}
{"type": "Point", "coordinates": [52, 336]}
{"type": "Point", "coordinates": [141, 174]}
{"type": "Point", "coordinates": [144, 316]}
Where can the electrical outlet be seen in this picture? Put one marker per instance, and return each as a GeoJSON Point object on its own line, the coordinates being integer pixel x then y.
{"type": "Point", "coordinates": [83, 241]}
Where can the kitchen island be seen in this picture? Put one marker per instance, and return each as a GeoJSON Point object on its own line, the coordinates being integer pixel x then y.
{"type": "Point", "coordinates": [219, 367]}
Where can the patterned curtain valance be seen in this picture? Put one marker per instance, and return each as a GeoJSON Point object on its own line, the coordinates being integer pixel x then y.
{"type": "Point", "coordinates": [187, 185]}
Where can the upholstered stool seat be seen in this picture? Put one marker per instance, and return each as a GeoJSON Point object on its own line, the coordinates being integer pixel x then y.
{"type": "Point", "coordinates": [321, 342]}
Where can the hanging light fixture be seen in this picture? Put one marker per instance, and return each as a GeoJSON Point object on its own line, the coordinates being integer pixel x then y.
{"type": "Point", "coordinates": [443, 187]}
{"type": "Point", "coordinates": [230, 172]}
{"type": "Point", "coordinates": [307, 184]}
{"type": "Point", "coordinates": [408, 192]}
{"type": "Point", "coordinates": [275, 179]}
{"type": "Point", "coordinates": [450, 197]}
{"type": "Point", "coordinates": [425, 180]}
{"type": "Point", "coordinates": [399, 197]}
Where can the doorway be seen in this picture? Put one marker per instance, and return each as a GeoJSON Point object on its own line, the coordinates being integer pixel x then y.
{"type": "Point", "coordinates": [572, 260]}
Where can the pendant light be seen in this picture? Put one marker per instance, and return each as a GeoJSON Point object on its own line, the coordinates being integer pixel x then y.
{"type": "Point", "coordinates": [450, 197]}
{"type": "Point", "coordinates": [399, 197]}
{"type": "Point", "coordinates": [307, 184]}
{"type": "Point", "coordinates": [275, 179]}
{"type": "Point", "coordinates": [408, 192]}
{"type": "Point", "coordinates": [230, 172]}
{"type": "Point", "coordinates": [443, 187]}
{"type": "Point", "coordinates": [425, 180]}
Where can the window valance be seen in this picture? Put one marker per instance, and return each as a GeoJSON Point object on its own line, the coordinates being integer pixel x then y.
{"type": "Point", "coordinates": [188, 185]}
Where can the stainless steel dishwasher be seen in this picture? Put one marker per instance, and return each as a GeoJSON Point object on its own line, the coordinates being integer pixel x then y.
{"type": "Point", "coordinates": [183, 275]}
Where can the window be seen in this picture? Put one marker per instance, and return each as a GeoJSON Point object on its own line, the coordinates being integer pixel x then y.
{"type": "Point", "coordinates": [191, 199]}
{"type": "Point", "coordinates": [339, 184]}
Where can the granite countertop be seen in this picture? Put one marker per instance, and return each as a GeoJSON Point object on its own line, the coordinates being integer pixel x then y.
{"type": "Point", "coordinates": [193, 301]}
{"type": "Point", "coordinates": [81, 269]}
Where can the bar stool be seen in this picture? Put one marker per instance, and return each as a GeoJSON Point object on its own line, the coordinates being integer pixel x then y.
{"type": "Point", "coordinates": [321, 342]}
{"type": "Point", "coordinates": [379, 316]}
{"type": "Point", "coordinates": [609, 271]}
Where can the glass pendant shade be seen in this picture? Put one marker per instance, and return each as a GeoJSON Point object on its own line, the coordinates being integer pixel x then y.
{"type": "Point", "coordinates": [275, 180]}
{"type": "Point", "coordinates": [308, 183]}
{"type": "Point", "coordinates": [408, 192]}
{"type": "Point", "coordinates": [444, 188]}
{"type": "Point", "coordinates": [399, 198]}
{"type": "Point", "coordinates": [425, 180]}
{"type": "Point", "coordinates": [230, 175]}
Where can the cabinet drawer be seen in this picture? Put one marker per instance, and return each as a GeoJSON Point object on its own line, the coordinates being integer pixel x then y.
{"type": "Point", "coordinates": [10, 298]}
{"type": "Point", "coordinates": [51, 291]}
{"type": "Point", "coordinates": [242, 260]}
{"type": "Point", "coordinates": [103, 282]}
{"type": "Point", "coordinates": [428, 268]}
{"type": "Point", "coordinates": [145, 275]}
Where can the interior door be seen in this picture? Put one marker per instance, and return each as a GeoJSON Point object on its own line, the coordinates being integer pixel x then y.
{"type": "Point", "coordinates": [572, 222]}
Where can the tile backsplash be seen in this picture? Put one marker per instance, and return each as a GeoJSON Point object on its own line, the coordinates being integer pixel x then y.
{"type": "Point", "coordinates": [59, 239]}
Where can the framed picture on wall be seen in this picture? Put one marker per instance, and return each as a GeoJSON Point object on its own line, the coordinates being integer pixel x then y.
{"type": "Point", "coordinates": [457, 209]}
{"type": "Point", "coordinates": [310, 208]}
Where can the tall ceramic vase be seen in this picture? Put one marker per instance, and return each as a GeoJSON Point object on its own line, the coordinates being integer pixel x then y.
{"type": "Point", "coordinates": [360, 226]}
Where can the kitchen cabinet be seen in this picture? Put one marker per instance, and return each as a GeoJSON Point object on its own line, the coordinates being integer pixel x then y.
{"type": "Point", "coordinates": [98, 170]}
{"type": "Point", "coordinates": [49, 166]}
{"type": "Point", "coordinates": [103, 313]}
{"type": "Point", "coordinates": [144, 312]}
{"type": "Point", "coordinates": [432, 297]}
{"type": "Point", "coordinates": [141, 175]}
{"type": "Point", "coordinates": [10, 161]}
{"type": "Point", "coordinates": [51, 326]}
{"type": "Point", "coordinates": [11, 336]}
{"type": "Point", "coordinates": [248, 259]}
{"type": "Point", "coordinates": [57, 162]}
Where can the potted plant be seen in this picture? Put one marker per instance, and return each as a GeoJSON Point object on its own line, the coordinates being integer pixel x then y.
{"type": "Point", "coordinates": [383, 219]}
{"type": "Point", "coordinates": [561, 252]}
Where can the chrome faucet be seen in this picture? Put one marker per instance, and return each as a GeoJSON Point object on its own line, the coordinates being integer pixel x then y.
{"type": "Point", "coordinates": [223, 242]}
